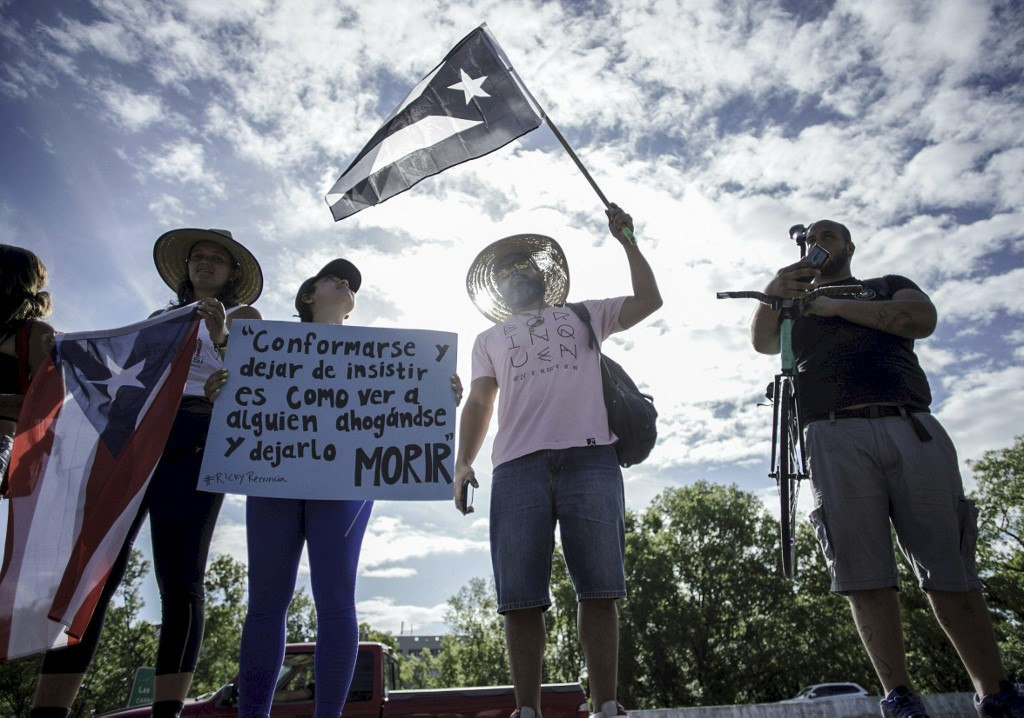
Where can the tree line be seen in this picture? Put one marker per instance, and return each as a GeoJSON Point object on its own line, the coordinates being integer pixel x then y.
{"type": "Point", "coordinates": [708, 621]}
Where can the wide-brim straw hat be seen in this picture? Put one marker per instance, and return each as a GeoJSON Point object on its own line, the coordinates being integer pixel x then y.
{"type": "Point", "coordinates": [170, 254]}
{"type": "Point", "coordinates": [543, 251]}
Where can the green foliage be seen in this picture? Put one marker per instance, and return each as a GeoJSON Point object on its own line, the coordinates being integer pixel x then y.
{"type": "Point", "coordinates": [819, 642]}
{"type": "Point", "coordinates": [419, 670]}
{"type": "Point", "coordinates": [701, 574]}
{"type": "Point", "coordinates": [473, 653]}
{"type": "Point", "coordinates": [709, 620]}
{"type": "Point", "coordinates": [18, 685]}
{"type": "Point", "coordinates": [225, 613]}
{"type": "Point", "coordinates": [1000, 500]}
{"type": "Point", "coordinates": [300, 623]}
{"type": "Point", "coordinates": [563, 660]}
{"type": "Point", "coordinates": [125, 644]}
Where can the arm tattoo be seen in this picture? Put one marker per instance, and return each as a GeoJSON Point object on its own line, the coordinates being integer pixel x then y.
{"type": "Point", "coordinates": [897, 322]}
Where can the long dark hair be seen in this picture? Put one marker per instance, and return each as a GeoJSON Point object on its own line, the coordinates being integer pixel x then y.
{"type": "Point", "coordinates": [22, 278]}
{"type": "Point", "coordinates": [228, 294]}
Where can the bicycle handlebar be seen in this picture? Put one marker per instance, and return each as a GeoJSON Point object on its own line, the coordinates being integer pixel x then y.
{"type": "Point", "coordinates": [774, 302]}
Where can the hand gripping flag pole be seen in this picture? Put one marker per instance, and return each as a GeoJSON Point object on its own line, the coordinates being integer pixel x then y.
{"type": "Point", "coordinates": [551, 125]}
{"type": "Point", "coordinates": [468, 106]}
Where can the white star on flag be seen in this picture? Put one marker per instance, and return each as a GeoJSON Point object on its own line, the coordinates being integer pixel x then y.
{"type": "Point", "coordinates": [121, 377]}
{"type": "Point", "coordinates": [472, 88]}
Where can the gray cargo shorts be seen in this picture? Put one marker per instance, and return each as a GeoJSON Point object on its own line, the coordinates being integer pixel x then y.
{"type": "Point", "coordinates": [870, 476]}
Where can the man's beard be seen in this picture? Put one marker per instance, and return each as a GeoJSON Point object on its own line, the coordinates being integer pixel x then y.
{"type": "Point", "coordinates": [525, 293]}
{"type": "Point", "coordinates": [836, 264]}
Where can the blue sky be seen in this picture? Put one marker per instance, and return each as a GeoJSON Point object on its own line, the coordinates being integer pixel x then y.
{"type": "Point", "coordinates": [716, 124]}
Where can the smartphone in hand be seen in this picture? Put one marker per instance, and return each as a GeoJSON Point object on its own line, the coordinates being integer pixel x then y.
{"type": "Point", "coordinates": [464, 499]}
{"type": "Point", "coordinates": [817, 256]}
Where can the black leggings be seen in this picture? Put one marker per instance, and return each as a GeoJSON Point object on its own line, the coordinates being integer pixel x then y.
{"type": "Point", "coordinates": [182, 520]}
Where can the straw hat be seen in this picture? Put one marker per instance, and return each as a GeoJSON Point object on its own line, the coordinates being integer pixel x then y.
{"type": "Point", "coordinates": [170, 254]}
{"type": "Point", "coordinates": [546, 255]}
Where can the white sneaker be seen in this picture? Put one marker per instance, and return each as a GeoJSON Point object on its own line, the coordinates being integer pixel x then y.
{"type": "Point", "coordinates": [524, 712]}
{"type": "Point", "coordinates": [610, 709]}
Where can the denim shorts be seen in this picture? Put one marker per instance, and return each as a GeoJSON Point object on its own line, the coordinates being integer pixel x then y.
{"type": "Point", "coordinates": [580, 490]}
{"type": "Point", "coordinates": [873, 476]}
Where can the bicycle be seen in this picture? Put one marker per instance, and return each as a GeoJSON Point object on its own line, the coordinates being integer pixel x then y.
{"type": "Point", "coordinates": [788, 459]}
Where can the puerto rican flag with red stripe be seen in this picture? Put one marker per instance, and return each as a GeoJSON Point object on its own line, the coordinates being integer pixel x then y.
{"type": "Point", "coordinates": [93, 427]}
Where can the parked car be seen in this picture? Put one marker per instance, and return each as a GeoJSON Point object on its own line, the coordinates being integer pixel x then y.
{"type": "Point", "coordinates": [373, 695]}
{"type": "Point", "coordinates": [828, 692]}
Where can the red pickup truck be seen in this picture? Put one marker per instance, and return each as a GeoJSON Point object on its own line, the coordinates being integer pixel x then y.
{"type": "Point", "coordinates": [373, 694]}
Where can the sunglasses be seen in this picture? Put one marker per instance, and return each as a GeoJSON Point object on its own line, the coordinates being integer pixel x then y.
{"type": "Point", "coordinates": [507, 270]}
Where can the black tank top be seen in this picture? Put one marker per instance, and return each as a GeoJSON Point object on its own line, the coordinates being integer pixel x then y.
{"type": "Point", "coordinates": [9, 382]}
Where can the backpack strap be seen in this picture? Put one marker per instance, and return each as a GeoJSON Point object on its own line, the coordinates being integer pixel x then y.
{"type": "Point", "coordinates": [581, 311]}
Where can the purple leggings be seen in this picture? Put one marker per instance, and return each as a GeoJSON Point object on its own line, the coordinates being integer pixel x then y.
{"type": "Point", "coordinates": [276, 530]}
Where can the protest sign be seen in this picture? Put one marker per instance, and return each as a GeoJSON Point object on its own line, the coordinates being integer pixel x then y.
{"type": "Point", "coordinates": [323, 411]}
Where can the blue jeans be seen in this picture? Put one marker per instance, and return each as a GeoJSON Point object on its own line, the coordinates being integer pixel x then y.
{"type": "Point", "coordinates": [578, 489]}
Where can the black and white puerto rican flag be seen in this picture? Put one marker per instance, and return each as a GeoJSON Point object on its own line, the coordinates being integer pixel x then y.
{"type": "Point", "coordinates": [469, 105]}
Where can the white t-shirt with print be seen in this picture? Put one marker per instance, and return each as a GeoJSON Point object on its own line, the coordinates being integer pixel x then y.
{"type": "Point", "coordinates": [549, 381]}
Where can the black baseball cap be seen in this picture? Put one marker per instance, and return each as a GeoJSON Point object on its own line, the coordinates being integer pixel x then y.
{"type": "Point", "coordinates": [340, 268]}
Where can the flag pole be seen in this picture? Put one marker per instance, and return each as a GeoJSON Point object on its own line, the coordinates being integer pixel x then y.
{"type": "Point", "coordinates": [562, 141]}
{"type": "Point", "coordinates": [575, 158]}
{"type": "Point", "coordinates": [547, 120]}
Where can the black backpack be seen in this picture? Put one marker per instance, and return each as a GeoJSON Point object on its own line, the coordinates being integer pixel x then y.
{"type": "Point", "coordinates": [631, 413]}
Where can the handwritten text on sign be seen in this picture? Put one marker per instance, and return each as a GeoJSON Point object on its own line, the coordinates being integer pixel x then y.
{"type": "Point", "coordinates": [319, 411]}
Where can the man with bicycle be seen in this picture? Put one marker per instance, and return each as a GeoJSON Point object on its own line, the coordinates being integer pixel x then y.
{"type": "Point", "coordinates": [877, 456]}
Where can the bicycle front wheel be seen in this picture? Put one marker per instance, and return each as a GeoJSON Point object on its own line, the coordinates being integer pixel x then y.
{"type": "Point", "coordinates": [788, 437]}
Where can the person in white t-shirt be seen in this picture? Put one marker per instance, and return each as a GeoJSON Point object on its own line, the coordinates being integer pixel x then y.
{"type": "Point", "coordinates": [554, 457]}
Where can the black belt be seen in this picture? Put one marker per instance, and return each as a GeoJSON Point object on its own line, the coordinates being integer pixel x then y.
{"type": "Point", "coordinates": [874, 411]}
{"type": "Point", "coordinates": [879, 411]}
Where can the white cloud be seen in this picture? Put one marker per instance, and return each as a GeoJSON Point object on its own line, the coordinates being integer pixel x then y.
{"type": "Point", "coordinates": [391, 540]}
{"type": "Point", "coordinates": [983, 411]}
{"type": "Point", "coordinates": [170, 209]}
{"type": "Point", "coordinates": [385, 614]}
{"type": "Point", "coordinates": [980, 299]}
{"type": "Point", "coordinates": [185, 162]}
{"type": "Point", "coordinates": [395, 572]}
{"type": "Point", "coordinates": [133, 111]}
{"type": "Point", "coordinates": [109, 39]}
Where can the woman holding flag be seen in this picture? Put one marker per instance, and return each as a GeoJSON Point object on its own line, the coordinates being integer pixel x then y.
{"type": "Point", "coordinates": [210, 268]}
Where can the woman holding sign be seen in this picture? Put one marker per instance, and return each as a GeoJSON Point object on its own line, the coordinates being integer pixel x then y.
{"type": "Point", "coordinates": [277, 529]}
{"type": "Point", "coordinates": [209, 267]}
